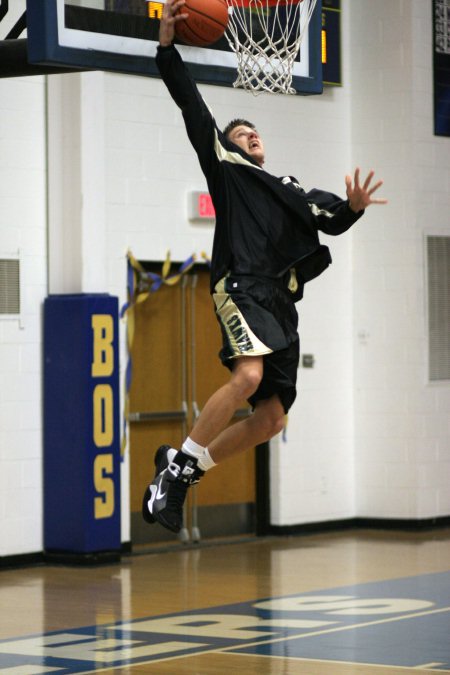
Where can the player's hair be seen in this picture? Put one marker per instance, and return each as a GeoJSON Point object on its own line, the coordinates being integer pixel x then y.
{"type": "Point", "coordinates": [237, 123]}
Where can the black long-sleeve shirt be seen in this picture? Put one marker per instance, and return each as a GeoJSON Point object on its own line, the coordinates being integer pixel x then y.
{"type": "Point", "coordinates": [265, 225]}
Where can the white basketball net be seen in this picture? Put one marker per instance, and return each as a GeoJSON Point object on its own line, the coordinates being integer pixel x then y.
{"type": "Point", "coordinates": [266, 35]}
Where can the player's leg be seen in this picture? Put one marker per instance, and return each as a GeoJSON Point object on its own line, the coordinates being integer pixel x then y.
{"type": "Point", "coordinates": [219, 409]}
{"type": "Point", "coordinates": [176, 471]}
{"type": "Point", "coordinates": [267, 420]}
{"type": "Point", "coordinates": [256, 376]}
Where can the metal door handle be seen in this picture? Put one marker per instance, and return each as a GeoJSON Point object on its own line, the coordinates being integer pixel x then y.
{"type": "Point", "coordinates": [157, 416]}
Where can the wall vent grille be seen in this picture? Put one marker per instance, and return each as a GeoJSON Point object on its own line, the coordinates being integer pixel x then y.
{"type": "Point", "coordinates": [438, 263]}
{"type": "Point", "coordinates": [9, 286]}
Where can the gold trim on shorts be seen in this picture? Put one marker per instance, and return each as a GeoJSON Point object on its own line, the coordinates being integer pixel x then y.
{"type": "Point", "coordinates": [242, 340]}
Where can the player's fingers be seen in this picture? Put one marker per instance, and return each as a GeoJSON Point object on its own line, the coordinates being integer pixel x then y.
{"type": "Point", "coordinates": [357, 171]}
{"type": "Point", "coordinates": [171, 7]}
{"type": "Point", "coordinates": [368, 180]}
{"type": "Point", "coordinates": [178, 5]}
{"type": "Point", "coordinates": [375, 187]}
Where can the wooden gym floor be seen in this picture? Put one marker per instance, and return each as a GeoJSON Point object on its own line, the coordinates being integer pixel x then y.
{"type": "Point", "coordinates": [348, 603]}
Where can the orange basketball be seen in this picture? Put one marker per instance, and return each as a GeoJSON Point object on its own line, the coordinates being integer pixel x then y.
{"type": "Point", "coordinates": [205, 24]}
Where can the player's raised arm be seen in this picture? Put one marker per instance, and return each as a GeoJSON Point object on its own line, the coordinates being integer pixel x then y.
{"type": "Point", "coordinates": [199, 121]}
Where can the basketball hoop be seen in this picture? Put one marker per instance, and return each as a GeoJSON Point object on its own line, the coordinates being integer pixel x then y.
{"type": "Point", "coordinates": [266, 35]}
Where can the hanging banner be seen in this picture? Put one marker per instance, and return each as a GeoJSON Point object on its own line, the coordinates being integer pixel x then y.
{"type": "Point", "coordinates": [441, 63]}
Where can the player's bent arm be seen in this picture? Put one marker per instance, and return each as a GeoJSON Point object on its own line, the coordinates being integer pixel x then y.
{"type": "Point", "coordinates": [332, 214]}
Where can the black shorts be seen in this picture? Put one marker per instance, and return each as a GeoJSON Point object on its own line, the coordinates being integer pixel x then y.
{"type": "Point", "coordinates": [258, 318]}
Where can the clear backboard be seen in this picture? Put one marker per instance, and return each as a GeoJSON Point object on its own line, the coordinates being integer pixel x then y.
{"type": "Point", "coordinates": [122, 35]}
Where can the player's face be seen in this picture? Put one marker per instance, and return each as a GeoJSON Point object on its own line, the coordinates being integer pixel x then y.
{"type": "Point", "coordinates": [248, 139]}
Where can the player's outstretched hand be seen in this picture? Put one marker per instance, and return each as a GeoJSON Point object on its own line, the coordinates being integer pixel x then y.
{"type": "Point", "coordinates": [360, 196]}
{"type": "Point", "coordinates": [168, 20]}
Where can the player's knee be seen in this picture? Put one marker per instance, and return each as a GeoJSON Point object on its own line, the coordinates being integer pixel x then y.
{"type": "Point", "coordinates": [274, 424]}
{"type": "Point", "coordinates": [252, 380]}
{"type": "Point", "coordinates": [247, 381]}
{"type": "Point", "coordinates": [271, 417]}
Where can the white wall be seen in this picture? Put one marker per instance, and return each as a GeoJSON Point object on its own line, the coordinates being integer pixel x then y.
{"type": "Point", "coordinates": [367, 436]}
{"type": "Point", "coordinates": [402, 433]}
{"type": "Point", "coordinates": [314, 466]}
{"type": "Point", "coordinates": [22, 228]}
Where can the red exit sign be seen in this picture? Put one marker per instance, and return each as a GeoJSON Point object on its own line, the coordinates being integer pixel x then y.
{"type": "Point", "coordinates": [201, 207]}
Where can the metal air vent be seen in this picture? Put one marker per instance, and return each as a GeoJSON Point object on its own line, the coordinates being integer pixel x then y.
{"type": "Point", "coordinates": [9, 286]}
{"type": "Point", "coordinates": [438, 259]}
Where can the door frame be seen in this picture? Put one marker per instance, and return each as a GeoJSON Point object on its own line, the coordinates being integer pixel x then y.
{"type": "Point", "coordinates": [262, 477]}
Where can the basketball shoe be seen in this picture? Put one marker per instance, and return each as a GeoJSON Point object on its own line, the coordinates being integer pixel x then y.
{"type": "Point", "coordinates": [165, 496]}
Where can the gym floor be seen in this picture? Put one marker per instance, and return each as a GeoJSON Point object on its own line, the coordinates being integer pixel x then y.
{"type": "Point", "coordinates": [350, 602]}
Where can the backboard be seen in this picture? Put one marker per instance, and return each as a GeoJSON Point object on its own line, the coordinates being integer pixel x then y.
{"type": "Point", "coordinates": [122, 36]}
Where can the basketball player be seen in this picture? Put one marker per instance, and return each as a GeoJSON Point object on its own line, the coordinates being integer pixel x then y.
{"type": "Point", "coordinates": [266, 247]}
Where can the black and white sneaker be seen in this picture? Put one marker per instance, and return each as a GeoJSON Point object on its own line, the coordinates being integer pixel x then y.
{"type": "Point", "coordinates": [165, 496]}
{"type": "Point", "coordinates": [163, 456]}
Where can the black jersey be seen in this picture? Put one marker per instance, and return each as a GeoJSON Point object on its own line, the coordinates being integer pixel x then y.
{"type": "Point", "coordinates": [265, 226]}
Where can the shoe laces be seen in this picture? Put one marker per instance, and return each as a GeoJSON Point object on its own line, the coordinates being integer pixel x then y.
{"type": "Point", "coordinates": [189, 474]}
{"type": "Point", "coordinates": [174, 470]}
{"type": "Point", "coordinates": [176, 495]}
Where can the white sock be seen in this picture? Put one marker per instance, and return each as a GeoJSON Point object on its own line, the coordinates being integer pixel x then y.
{"type": "Point", "coordinates": [205, 461]}
{"type": "Point", "coordinates": [201, 454]}
{"type": "Point", "coordinates": [192, 448]}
